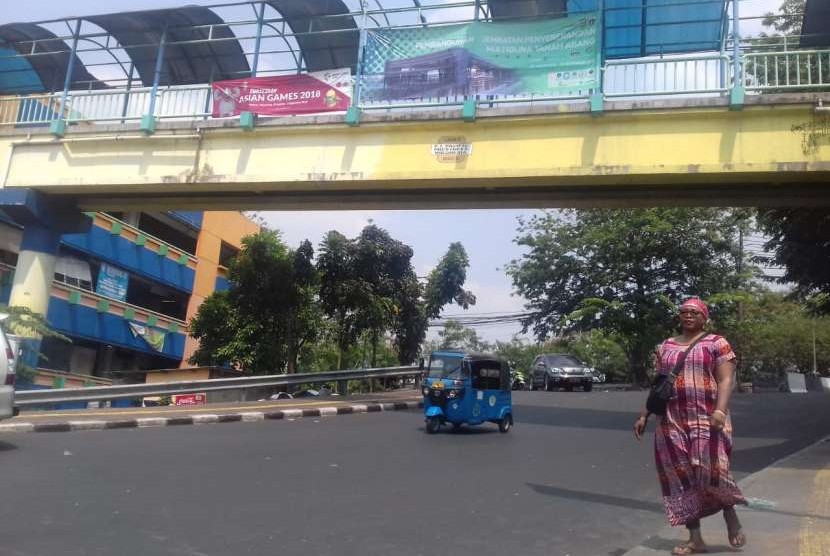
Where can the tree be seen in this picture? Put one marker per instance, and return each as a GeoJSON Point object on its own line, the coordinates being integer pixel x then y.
{"type": "Point", "coordinates": [30, 326]}
{"type": "Point", "coordinates": [773, 335]}
{"type": "Point", "coordinates": [788, 20]}
{"type": "Point", "coordinates": [368, 285]}
{"type": "Point", "coordinates": [799, 240]}
{"type": "Point", "coordinates": [622, 271]}
{"type": "Point", "coordinates": [446, 282]}
{"type": "Point", "coordinates": [456, 335]}
{"type": "Point", "coordinates": [262, 322]}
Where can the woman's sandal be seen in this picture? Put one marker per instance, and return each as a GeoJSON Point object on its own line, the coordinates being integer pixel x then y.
{"type": "Point", "coordinates": [687, 548]}
{"type": "Point", "coordinates": [737, 538]}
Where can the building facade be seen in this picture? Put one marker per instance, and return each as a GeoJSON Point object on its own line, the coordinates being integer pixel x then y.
{"type": "Point", "coordinates": [124, 291]}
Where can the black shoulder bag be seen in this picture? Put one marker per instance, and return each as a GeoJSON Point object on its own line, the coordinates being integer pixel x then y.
{"type": "Point", "coordinates": [662, 390]}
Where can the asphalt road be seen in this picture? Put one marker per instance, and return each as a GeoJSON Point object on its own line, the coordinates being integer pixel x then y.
{"type": "Point", "coordinates": [568, 479]}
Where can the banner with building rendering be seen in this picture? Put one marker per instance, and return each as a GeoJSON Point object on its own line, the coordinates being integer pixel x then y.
{"type": "Point", "coordinates": [549, 58]}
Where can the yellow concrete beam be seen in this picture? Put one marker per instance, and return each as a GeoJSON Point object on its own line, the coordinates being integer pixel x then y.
{"type": "Point", "coordinates": [778, 153]}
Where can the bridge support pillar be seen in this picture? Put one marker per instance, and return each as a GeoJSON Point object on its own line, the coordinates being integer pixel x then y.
{"type": "Point", "coordinates": [736, 97]}
{"type": "Point", "coordinates": [44, 221]}
{"type": "Point", "coordinates": [353, 116]}
{"type": "Point", "coordinates": [597, 104]}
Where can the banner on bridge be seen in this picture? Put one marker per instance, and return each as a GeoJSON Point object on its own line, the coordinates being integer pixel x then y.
{"type": "Point", "coordinates": [284, 95]}
{"type": "Point", "coordinates": [554, 57]}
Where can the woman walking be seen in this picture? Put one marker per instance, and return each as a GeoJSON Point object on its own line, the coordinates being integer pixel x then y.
{"type": "Point", "coordinates": [693, 440]}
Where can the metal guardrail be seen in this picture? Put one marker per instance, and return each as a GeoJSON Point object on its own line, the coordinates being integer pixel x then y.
{"type": "Point", "coordinates": [673, 75]}
{"type": "Point", "coordinates": [98, 393]}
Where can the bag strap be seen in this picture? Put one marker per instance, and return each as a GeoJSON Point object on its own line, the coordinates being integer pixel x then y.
{"type": "Point", "coordinates": [682, 359]}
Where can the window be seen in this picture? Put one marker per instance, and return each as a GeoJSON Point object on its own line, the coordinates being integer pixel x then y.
{"type": "Point", "coordinates": [486, 374]}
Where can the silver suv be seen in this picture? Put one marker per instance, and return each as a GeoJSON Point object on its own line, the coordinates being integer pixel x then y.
{"type": "Point", "coordinates": [560, 370]}
{"type": "Point", "coordinates": [8, 361]}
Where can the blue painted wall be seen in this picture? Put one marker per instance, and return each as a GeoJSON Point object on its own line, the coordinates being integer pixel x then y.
{"type": "Point", "coordinates": [139, 260]}
{"type": "Point", "coordinates": [86, 322]}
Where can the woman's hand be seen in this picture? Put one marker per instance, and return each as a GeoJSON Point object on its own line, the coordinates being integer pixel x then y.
{"type": "Point", "coordinates": [718, 419]}
{"type": "Point", "coordinates": [639, 427]}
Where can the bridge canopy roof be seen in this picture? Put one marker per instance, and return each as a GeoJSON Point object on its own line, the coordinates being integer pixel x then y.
{"type": "Point", "coordinates": [203, 47]}
{"type": "Point", "coordinates": [190, 58]}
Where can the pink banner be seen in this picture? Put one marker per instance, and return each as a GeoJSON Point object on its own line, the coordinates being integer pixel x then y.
{"type": "Point", "coordinates": [189, 399]}
{"type": "Point", "coordinates": [308, 93]}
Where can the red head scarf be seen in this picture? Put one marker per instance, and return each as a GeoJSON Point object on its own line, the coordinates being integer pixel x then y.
{"type": "Point", "coordinates": [696, 304]}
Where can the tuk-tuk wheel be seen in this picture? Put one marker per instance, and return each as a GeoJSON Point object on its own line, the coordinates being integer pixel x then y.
{"type": "Point", "coordinates": [433, 424]}
{"type": "Point", "coordinates": [506, 424]}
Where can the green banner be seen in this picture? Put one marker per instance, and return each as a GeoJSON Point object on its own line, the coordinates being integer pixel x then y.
{"type": "Point", "coordinates": [549, 58]}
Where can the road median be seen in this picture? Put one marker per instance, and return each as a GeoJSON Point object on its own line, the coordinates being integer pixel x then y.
{"type": "Point", "coordinates": [176, 416]}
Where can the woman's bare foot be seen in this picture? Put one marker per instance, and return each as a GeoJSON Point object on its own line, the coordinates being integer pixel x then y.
{"type": "Point", "coordinates": [689, 548]}
{"type": "Point", "coordinates": [737, 538]}
{"type": "Point", "coordinates": [694, 545]}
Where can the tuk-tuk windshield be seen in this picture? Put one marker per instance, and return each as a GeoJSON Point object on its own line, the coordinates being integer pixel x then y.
{"type": "Point", "coordinates": [447, 366]}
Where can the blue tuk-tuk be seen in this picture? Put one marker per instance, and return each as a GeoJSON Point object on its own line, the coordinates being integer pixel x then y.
{"type": "Point", "coordinates": [467, 388]}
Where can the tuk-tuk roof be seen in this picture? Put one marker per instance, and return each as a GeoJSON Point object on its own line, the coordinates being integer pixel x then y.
{"type": "Point", "coordinates": [471, 355]}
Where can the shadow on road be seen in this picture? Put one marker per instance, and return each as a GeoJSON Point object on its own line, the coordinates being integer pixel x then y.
{"type": "Point", "coordinates": [6, 447]}
{"type": "Point", "coordinates": [596, 498]}
{"type": "Point", "coordinates": [575, 417]}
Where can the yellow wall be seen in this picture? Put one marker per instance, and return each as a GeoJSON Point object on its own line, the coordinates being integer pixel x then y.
{"type": "Point", "coordinates": [180, 375]}
{"type": "Point", "coordinates": [217, 227]}
{"type": "Point", "coordinates": [759, 145]}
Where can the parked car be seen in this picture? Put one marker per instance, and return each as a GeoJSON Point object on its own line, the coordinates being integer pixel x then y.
{"type": "Point", "coordinates": [8, 363]}
{"type": "Point", "coordinates": [560, 370]}
{"type": "Point", "coordinates": [307, 393]}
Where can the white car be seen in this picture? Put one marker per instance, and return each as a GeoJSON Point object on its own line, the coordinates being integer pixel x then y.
{"type": "Point", "coordinates": [8, 361]}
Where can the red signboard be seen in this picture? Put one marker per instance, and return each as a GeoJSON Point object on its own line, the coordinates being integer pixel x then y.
{"type": "Point", "coordinates": [189, 399]}
{"type": "Point", "coordinates": [285, 95]}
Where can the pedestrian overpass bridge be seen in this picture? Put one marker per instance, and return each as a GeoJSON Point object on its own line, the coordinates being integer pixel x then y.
{"type": "Point", "coordinates": [672, 105]}
{"type": "Point", "coordinates": [776, 150]}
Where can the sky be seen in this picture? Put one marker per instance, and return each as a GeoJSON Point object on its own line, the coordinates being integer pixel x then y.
{"type": "Point", "coordinates": [486, 234]}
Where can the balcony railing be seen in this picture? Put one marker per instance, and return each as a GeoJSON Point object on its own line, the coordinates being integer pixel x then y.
{"type": "Point", "coordinates": [87, 298]}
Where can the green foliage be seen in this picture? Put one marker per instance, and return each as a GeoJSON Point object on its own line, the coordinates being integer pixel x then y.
{"type": "Point", "coordinates": [446, 281]}
{"type": "Point", "coordinates": [360, 304]}
{"type": "Point", "coordinates": [22, 321]}
{"type": "Point", "coordinates": [456, 335]}
{"type": "Point", "coordinates": [622, 271]}
{"type": "Point", "coordinates": [368, 286]}
{"type": "Point", "coordinates": [799, 239]}
{"type": "Point", "coordinates": [598, 350]}
{"type": "Point", "coordinates": [788, 20]}
{"type": "Point", "coordinates": [771, 334]}
{"type": "Point", "coordinates": [262, 322]}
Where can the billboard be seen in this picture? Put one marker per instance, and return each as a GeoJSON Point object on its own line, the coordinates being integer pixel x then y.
{"type": "Point", "coordinates": [284, 95]}
{"type": "Point", "coordinates": [112, 282]}
{"type": "Point", "coordinates": [553, 57]}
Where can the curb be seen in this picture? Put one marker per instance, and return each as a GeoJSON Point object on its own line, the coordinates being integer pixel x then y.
{"type": "Point", "coordinates": [202, 419]}
{"type": "Point", "coordinates": [642, 549]}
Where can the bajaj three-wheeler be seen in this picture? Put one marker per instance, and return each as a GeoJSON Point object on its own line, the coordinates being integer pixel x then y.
{"type": "Point", "coordinates": [464, 388]}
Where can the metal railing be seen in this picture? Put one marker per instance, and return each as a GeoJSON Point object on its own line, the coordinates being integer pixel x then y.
{"type": "Point", "coordinates": [677, 75]}
{"type": "Point", "coordinates": [187, 102]}
{"type": "Point", "coordinates": [789, 70]}
{"type": "Point", "coordinates": [31, 398]}
{"type": "Point", "coordinates": [705, 75]}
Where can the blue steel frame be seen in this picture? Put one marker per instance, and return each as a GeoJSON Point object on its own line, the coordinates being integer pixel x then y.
{"type": "Point", "coordinates": [58, 125]}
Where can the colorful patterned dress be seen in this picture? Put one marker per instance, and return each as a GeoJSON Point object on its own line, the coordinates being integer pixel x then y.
{"type": "Point", "coordinates": [692, 458]}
